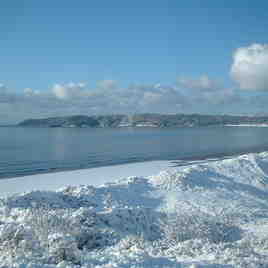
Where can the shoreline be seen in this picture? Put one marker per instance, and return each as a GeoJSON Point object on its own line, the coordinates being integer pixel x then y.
{"type": "Point", "coordinates": [98, 176]}
{"type": "Point", "coordinates": [175, 162]}
{"type": "Point", "coordinates": [91, 176]}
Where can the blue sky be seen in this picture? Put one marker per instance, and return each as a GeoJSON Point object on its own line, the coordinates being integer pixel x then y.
{"type": "Point", "coordinates": [48, 44]}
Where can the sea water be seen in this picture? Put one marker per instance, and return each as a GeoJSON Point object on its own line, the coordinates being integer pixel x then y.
{"type": "Point", "coordinates": [25, 151]}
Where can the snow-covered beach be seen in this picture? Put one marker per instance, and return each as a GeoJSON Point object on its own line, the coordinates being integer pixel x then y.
{"type": "Point", "coordinates": [91, 176]}
{"type": "Point", "coordinates": [205, 214]}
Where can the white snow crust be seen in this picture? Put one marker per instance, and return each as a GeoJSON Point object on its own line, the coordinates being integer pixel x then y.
{"type": "Point", "coordinates": [205, 214]}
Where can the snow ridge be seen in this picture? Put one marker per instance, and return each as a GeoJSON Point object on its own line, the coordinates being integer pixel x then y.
{"type": "Point", "coordinates": [212, 214]}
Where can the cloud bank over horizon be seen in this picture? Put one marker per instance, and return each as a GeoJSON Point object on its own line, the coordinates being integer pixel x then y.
{"type": "Point", "coordinates": [186, 96]}
{"type": "Point", "coordinates": [201, 94]}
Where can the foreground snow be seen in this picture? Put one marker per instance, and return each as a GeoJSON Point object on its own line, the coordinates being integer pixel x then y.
{"type": "Point", "coordinates": [212, 214]}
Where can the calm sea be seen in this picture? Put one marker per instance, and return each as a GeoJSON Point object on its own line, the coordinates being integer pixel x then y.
{"type": "Point", "coordinates": [25, 151]}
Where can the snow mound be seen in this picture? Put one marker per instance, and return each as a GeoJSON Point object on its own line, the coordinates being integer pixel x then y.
{"type": "Point", "coordinates": [212, 214]}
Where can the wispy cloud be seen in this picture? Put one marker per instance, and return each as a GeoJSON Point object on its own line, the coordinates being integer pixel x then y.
{"type": "Point", "coordinates": [204, 90]}
{"type": "Point", "coordinates": [200, 83]}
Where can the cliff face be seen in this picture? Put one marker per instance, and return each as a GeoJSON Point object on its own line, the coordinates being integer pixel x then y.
{"type": "Point", "coordinates": [143, 120]}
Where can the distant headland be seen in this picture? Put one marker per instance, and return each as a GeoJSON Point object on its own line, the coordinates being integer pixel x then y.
{"type": "Point", "coordinates": [146, 120]}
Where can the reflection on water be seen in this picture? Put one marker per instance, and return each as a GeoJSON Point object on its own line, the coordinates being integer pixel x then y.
{"type": "Point", "coordinates": [59, 144]}
{"type": "Point", "coordinates": [33, 150]}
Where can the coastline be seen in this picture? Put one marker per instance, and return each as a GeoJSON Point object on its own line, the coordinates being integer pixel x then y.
{"type": "Point", "coordinates": [91, 176]}
{"type": "Point", "coordinates": [96, 176]}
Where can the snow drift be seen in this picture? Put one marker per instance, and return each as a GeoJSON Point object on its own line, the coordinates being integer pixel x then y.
{"type": "Point", "coordinates": [212, 214]}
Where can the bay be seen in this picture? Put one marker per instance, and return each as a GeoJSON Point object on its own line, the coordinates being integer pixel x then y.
{"type": "Point", "coordinates": [27, 151]}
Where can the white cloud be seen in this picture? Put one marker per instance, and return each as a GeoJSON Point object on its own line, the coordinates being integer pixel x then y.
{"type": "Point", "coordinates": [200, 83]}
{"type": "Point", "coordinates": [31, 92]}
{"type": "Point", "coordinates": [204, 90]}
{"type": "Point", "coordinates": [68, 91]}
{"type": "Point", "coordinates": [3, 88]}
{"type": "Point", "coordinates": [250, 67]}
{"type": "Point", "coordinates": [107, 84]}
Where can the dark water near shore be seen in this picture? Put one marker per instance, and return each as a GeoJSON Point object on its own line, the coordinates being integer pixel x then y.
{"type": "Point", "coordinates": [25, 151]}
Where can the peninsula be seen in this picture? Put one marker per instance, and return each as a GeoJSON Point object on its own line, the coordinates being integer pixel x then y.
{"type": "Point", "coordinates": [146, 120]}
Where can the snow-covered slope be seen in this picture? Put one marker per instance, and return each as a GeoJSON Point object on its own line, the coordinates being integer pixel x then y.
{"type": "Point", "coordinates": [212, 214]}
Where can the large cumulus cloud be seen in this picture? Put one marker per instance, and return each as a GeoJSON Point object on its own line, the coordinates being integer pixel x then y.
{"type": "Point", "coordinates": [250, 67]}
